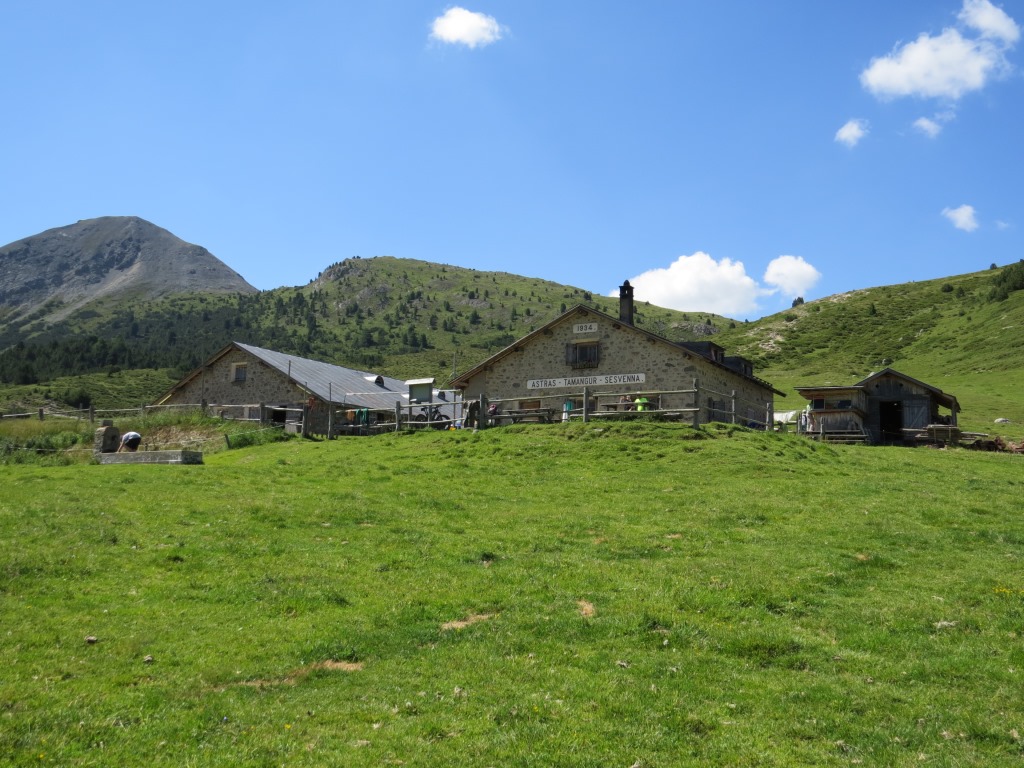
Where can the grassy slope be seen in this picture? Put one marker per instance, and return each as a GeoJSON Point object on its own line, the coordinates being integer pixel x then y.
{"type": "Point", "coordinates": [945, 332]}
{"type": "Point", "coordinates": [955, 339]}
{"type": "Point", "coordinates": [644, 595]}
{"type": "Point", "coordinates": [359, 313]}
{"type": "Point", "coordinates": [120, 389]}
{"type": "Point", "coordinates": [383, 283]}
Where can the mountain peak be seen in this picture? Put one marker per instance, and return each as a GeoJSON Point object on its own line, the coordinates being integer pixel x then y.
{"type": "Point", "coordinates": [108, 256]}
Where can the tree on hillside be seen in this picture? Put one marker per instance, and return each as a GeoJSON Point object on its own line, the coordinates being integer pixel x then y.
{"type": "Point", "coordinates": [1010, 279]}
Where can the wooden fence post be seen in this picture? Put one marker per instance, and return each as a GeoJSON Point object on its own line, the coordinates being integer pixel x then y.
{"type": "Point", "coordinates": [484, 417]}
{"type": "Point", "coordinates": [696, 404]}
{"type": "Point", "coordinates": [732, 406]}
{"type": "Point", "coordinates": [40, 414]}
{"type": "Point", "coordinates": [586, 405]}
{"type": "Point", "coordinates": [398, 415]}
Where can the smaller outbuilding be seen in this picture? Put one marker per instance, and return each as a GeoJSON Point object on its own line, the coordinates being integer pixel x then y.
{"type": "Point", "coordinates": [886, 408]}
{"type": "Point", "coordinates": [243, 381]}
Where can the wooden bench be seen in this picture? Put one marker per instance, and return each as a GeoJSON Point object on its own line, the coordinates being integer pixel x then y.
{"type": "Point", "coordinates": [517, 415]}
{"type": "Point", "coordinates": [673, 414]}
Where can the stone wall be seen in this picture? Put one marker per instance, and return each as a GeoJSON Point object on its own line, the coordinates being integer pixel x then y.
{"type": "Point", "coordinates": [152, 457]}
{"type": "Point", "coordinates": [622, 350]}
{"type": "Point", "coordinates": [217, 384]}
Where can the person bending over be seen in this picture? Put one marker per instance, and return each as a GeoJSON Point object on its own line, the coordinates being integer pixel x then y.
{"type": "Point", "coordinates": [130, 441]}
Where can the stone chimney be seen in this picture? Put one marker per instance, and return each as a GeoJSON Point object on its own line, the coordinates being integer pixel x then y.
{"type": "Point", "coordinates": [626, 303]}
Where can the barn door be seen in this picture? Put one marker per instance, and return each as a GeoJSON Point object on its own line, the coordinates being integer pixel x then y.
{"type": "Point", "coordinates": [915, 412]}
{"type": "Point", "coordinates": [890, 421]}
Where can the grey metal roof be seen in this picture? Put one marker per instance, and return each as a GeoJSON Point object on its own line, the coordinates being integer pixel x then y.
{"type": "Point", "coordinates": [338, 385]}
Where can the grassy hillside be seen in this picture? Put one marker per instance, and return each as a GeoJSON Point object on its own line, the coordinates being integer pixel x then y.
{"type": "Point", "coordinates": [104, 391]}
{"type": "Point", "coordinates": [399, 317]}
{"type": "Point", "coordinates": [410, 318]}
{"type": "Point", "coordinates": [951, 333]}
{"type": "Point", "coordinates": [625, 595]}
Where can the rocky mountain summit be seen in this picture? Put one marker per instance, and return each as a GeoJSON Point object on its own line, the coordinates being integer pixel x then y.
{"type": "Point", "coordinates": [122, 256]}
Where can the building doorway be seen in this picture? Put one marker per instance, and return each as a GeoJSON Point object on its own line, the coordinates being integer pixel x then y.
{"type": "Point", "coordinates": [890, 413]}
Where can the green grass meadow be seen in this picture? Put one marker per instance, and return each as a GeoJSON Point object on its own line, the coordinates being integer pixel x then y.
{"type": "Point", "coordinates": [570, 595]}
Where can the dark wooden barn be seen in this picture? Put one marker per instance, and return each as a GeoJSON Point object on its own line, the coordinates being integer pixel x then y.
{"type": "Point", "coordinates": [886, 408]}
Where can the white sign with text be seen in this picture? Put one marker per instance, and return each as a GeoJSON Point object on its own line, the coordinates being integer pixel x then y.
{"type": "Point", "coordinates": [587, 381]}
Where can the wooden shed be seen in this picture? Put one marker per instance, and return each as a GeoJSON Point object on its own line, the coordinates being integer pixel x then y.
{"type": "Point", "coordinates": [886, 408]}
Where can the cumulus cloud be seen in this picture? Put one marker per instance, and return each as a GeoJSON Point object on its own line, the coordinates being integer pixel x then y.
{"type": "Point", "coordinates": [950, 64]}
{"type": "Point", "coordinates": [457, 26]}
{"type": "Point", "coordinates": [700, 283]}
{"type": "Point", "coordinates": [962, 217]}
{"type": "Point", "coordinates": [852, 132]}
{"type": "Point", "coordinates": [791, 275]}
{"type": "Point", "coordinates": [990, 21]}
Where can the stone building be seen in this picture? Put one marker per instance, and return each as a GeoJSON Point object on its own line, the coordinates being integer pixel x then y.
{"type": "Point", "coordinates": [585, 358]}
{"type": "Point", "coordinates": [243, 381]}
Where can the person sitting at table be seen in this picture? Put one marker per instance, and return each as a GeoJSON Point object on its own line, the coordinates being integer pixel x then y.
{"type": "Point", "coordinates": [640, 403]}
{"type": "Point", "coordinates": [625, 403]}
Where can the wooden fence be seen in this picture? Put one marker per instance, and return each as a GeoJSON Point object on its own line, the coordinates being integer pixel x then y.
{"type": "Point", "coordinates": [695, 405]}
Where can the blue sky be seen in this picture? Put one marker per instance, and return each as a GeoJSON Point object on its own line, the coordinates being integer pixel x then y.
{"type": "Point", "coordinates": [723, 156]}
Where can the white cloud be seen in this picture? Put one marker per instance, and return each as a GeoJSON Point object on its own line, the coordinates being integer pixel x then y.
{"type": "Point", "coordinates": [962, 217]}
{"type": "Point", "coordinates": [699, 283]}
{"type": "Point", "coordinates": [990, 21]}
{"type": "Point", "coordinates": [791, 275]}
{"type": "Point", "coordinates": [932, 126]}
{"type": "Point", "coordinates": [852, 132]}
{"type": "Point", "coordinates": [947, 65]}
{"type": "Point", "coordinates": [928, 127]}
{"type": "Point", "coordinates": [458, 26]}
{"type": "Point", "coordinates": [1001, 225]}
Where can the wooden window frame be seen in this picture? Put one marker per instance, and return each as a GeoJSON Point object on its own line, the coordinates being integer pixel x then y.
{"type": "Point", "coordinates": [583, 354]}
